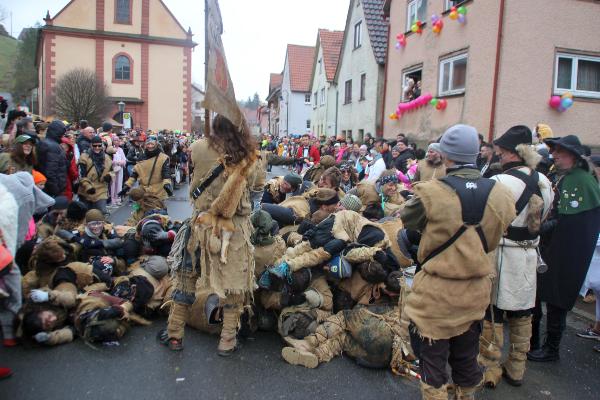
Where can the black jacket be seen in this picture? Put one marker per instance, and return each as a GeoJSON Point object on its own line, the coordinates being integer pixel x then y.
{"type": "Point", "coordinates": [134, 155]}
{"type": "Point", "coordinates": [400, 161]}
{"type": "Point", "coordinates": [83, 143]}
{"type": "Point", "coordinates": [52, 160]}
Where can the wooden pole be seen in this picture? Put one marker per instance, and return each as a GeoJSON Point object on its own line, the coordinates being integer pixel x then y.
{"type": "Point", "coordinates": [206, 110]}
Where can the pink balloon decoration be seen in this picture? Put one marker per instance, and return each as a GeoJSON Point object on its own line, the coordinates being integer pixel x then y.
{"type": "Point", "coordinates": [554, 101]}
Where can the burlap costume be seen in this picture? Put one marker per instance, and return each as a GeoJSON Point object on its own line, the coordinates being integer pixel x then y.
{"type": "Point", "coordinates": [227, 197]}
{"type": "Point", "coordinates": [368, 195]}
{"type": "Point", "coordinates": [364, 333]}
{"type": "Point", "coordinates": [314, 173]}
{"type": "Point", "coordinates": [463, 268]}
{"type": "Point", "coordinates": [93, 180]}
{"type": "Point", "coordinates": [151, 178]}
{"type": "Point", "coordinates": [428, 171]}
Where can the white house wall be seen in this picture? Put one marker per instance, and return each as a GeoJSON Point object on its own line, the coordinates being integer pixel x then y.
{"type": "Point", "coordinates": [363, 114]}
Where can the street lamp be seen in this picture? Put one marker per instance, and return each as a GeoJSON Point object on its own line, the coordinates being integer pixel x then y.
{"type": "Point", "coordinates": [121, 106]}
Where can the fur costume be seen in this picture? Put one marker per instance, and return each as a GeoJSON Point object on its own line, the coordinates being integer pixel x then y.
{"type": "Point", "coordinates": [226, 202]}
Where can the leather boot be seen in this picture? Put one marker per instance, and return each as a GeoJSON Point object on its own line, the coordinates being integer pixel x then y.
{"type": "Point", "coordinates": [431, 393]}
{"type": "Point", "coordinates": [490, 352]}
{"type": "Point", "coordinates": [231, 321]}
{"type": "Point", "coordinates": [545, 354]}
{"type": "Point", "coordinates": [549, 351]}
{"type": "Point", "coordinates": [519, 336]}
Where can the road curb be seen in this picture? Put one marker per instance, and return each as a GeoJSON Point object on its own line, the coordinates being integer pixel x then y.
{"type": "Point", "coordinates": [584, 314]}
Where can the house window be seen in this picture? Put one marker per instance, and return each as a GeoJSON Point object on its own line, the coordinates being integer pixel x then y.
{"type": "Point", "coordinates": [577, 74]}
{"type": "Point", "coordinates": [349, 133]}
{"type": "Point", "coordinates": [363, 81]}
{"type": "Point", "coordinates": [411, 83]}
{"type": "Point", "coordinates": [198, 105]}
{"type": "Point", "coordinates": [453, 75]}
{"type": "Point", "coordinates": [448, 4]}
{"type": "Point", "coordinates": [123, 11]}
{"type": "Point", "coordinates": [315, 99]}
{"type": "Point", "coordinates": [323, 96]}
{"type": "Point", "coordinates": [308, 124]}
{"type": "Point", "coordinates": [320, 66]}
{"type": "Point", "coordinates": [361, 135]}
{"type": "Point", "coordinates": [348, 92]}
{"type": "Point", "coordinates": [417, 10]}
{"type": "Point", "coordinates": [307, 98]}
{"type": "Point", "coordinates": [357, 34]}
{"type": "Point", "coordinates": [122, 68]}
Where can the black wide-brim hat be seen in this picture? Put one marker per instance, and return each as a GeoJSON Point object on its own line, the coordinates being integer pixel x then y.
{"type": "Point", "coordinates": [519, 134]}
{"type": "Point", "coordinates": [570, 143]}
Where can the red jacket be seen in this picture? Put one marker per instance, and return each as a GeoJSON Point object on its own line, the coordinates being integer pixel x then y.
{"type": "Point", "coordinates": [72, 172]}
{"type": "Point", "coordinates": [313, 153]}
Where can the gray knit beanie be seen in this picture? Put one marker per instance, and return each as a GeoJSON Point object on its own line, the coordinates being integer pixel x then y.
{"type": "Point", "coordinates": [156, 266]}
{"type": "Point", "coordinates": [460, 144]}
{"type": "Point", "coordinates": [351, 202]}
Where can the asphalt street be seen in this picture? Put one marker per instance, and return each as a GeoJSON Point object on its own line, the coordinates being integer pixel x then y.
{"type": "Point", "coordinates": [140, 368]}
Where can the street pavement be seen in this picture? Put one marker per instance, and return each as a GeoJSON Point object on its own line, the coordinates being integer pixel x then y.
{"type": "Point", "coordinates": [140, 368]}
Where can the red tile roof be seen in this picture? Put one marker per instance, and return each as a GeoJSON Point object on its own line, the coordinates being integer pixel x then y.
{"type": "Point", "coordinates": [275, 81]}
{"type": "Point", "coordinates": [331, 41]}
{"type": "Point", "coordinates": [300, 61]}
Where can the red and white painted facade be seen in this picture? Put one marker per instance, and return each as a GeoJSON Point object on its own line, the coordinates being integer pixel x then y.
{"type": "Point", "coordinates": [87, 34]}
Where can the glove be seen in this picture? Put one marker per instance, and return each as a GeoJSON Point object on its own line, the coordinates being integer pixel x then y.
{"type": "Point", "coordinates": [160, 235]}
{"type": "Point", "coordinates": [380, 257]}
{"type": "Point", "coordinates": [39, 296]}
{"type": "Point", "coordinates": [169, 189]}
{"type": "Point", "coordinates": [107, 178]}
{"type": "Point", "coordinates": [65, 235]}
{"type": "Point", "coordinates": [124, 191]}
{"type": "Point", "coordinates": [334, 246]}
{"type": "Point", "coordinates": [297, 299]}
{"type": "Point", "coordinates": [41, 337]}
{"type": "Point", "coordinates": [548, 226]}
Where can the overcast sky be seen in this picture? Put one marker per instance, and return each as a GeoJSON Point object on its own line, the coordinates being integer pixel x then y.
{"type": "Point", "coordinates": [255, 38]}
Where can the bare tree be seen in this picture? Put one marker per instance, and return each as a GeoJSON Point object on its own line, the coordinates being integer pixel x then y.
{"type": "Point", "coordinates": [80, 95]}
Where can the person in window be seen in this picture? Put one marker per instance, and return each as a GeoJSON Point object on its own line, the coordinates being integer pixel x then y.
{"type": "Point", "coordinates": [408, 89]}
